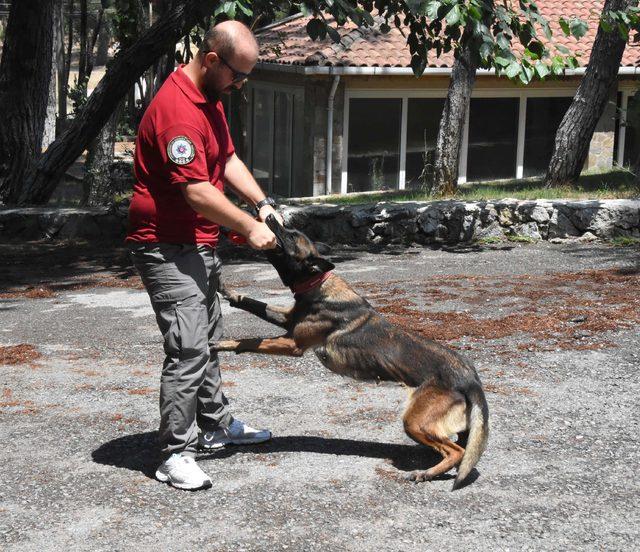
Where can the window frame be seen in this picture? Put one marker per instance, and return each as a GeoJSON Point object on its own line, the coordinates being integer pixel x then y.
{"type": "Point", "coordinates": [626, 90]}
{"type": "Point", "coordinates": [405, 93]}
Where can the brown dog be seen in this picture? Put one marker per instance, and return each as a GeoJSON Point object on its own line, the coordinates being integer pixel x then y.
{"type": "Point", "coordinates": [351, 339]}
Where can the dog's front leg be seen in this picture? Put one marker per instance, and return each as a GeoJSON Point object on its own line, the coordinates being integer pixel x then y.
{"type": "Point", "coordinates": [283, 345]}
{"type": "Point", "coordinates": [278, 316]}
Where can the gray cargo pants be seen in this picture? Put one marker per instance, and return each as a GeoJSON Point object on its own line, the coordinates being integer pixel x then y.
{"type": "Point", "coordinates": [182, 281]}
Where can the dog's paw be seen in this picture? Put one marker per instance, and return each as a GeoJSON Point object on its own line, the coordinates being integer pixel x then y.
{"type": "Point", "coordinates": [418, 476]}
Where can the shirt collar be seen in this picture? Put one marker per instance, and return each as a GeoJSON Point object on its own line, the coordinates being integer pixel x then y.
{"type": "Point", "coordinates": [188, 87]}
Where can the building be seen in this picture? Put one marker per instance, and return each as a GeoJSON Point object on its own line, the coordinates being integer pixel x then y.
{"type": "Point", "coordinates": [361, 97]}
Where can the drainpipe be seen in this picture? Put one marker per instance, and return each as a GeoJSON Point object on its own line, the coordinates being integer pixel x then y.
{"type": "Point", "coordinates": [329, 152]}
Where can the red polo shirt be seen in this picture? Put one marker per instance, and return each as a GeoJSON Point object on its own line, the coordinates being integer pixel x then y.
{"type": "Point", "coordinates": [182, 138]}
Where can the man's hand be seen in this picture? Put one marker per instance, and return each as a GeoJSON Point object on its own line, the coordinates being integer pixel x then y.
{"type": "Point", "coordinates": [267, 210]}
{"type": "Point", "coordinates": [261, 237]}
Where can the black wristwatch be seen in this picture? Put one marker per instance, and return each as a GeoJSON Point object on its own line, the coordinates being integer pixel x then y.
{"type": "Point", "coordinates": [265, 201]}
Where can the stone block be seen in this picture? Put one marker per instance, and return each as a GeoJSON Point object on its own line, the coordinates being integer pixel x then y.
{"type": "Point", "coordinates": [528, 230]}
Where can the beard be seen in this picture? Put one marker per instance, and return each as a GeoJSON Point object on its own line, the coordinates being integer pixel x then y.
{"type": "Point", "coordinates": [211, 93]}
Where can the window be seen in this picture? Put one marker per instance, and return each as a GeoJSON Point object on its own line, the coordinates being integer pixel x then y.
{"type": "Point", "coordinates": [377, 156]}
{"type": "Point", "coordinates": [423, 120]}
{"type": "Point", "coordinates": [632, 136]}
{"type": "Point", "coordinates": [282, 144]}
{"type": "Point", "coordinates": [374, 144]}
{"type": "Point", "coordinates": [493, 138]}
{"type": "Point", "coordinates": [262, 137]}
{"type": "Point", "coordinates": [543, 119]}
{"type": "Point", "coordinates": [276, 138]}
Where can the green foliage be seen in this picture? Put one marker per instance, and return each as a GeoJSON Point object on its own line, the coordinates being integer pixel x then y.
{"type": "Point", "coordinates": [618, 184]}
{"type": "Point", "coordinates": [518, 238]}
{"type": "Point", "coordinates": [233, 7]}
{"type": "Point", "coordinates": [511, 37]}
{"type": "Point", "coordinates": [124, 130]}
{"type": "Point", "coordinates": [622, 21]}
{"type": "Point", "coordinates": [124, 17]}
{"type": "Point", "coordinates": [489, 240]}
{"type": "Point", "coordinates": [625, 241]}
{"type": "Point", "coordinates": [78, 95]}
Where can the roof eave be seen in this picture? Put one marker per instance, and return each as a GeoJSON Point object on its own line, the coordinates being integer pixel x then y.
{"type": "Point", "coordinates": [397, 71]}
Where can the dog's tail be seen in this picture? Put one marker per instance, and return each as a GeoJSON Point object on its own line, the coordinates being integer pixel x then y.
{"type": "Point", "coordinates": [478, 415]}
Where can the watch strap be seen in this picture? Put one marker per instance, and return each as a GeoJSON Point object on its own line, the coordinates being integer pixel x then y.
{"type": "Point", "coordinates": [265, 201]}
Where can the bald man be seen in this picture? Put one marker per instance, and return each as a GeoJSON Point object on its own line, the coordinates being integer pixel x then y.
{"type": "Point", "coordinates": [184, 158]}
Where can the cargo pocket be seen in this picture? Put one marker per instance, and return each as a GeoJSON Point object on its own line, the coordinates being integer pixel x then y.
{"type": "Point", "coordinates": [190, 330]}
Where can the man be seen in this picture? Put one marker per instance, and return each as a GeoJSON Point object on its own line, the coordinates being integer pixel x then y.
{"type": "Point", "coordinates": [184, 156]}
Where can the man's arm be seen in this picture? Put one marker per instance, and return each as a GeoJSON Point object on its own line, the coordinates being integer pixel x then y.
{"type": "Point", "coordinates": [241, 181]}
{"type": "Point", "coordinates": [212, 204]}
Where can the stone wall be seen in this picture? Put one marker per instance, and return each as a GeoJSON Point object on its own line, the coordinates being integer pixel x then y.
{"type": "Point", "coordinates": [102, 223]}
{"type": "Point", "coordinates": [457, 221]}
{"type": "Point", "coordinates": [376, 224]}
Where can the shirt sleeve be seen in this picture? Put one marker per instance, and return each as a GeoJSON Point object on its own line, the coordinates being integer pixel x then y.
{"type": "Point", "coordinates": [183, 153]}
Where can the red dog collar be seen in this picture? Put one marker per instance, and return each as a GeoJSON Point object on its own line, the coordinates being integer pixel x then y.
{"type": "Point", "coordinates": [308, 285]}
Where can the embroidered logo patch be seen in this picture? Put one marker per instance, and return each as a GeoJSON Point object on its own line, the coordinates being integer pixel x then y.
{"type": "Point", "coordinates": [181, 150]}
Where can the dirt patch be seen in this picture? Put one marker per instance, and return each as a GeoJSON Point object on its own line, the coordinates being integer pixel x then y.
{"type": "Point", "coordinates": [557, 311]}
{"type": "Point", "coordinates": [11, 405]}
{"type": "Point", "coordinates": [42, 270]}
{"type": "Point", "coordinates": [508, 390]}
{"type": "Point", "coordinates": [18, 354]}
{"type": "Point", "coordinates": [52, 290]}
{"type": "Point", "coordinates": [142, 391]}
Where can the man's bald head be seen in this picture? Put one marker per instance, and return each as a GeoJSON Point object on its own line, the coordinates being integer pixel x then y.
{"type": "Point", "coordinates": [227, 55]}
{"type": "Point", "coordinates": [229, 39]}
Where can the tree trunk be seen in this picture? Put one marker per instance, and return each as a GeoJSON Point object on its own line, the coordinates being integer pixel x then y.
{"type": "Point", "coordinates": [83, 59]}
{"type": "Point", "coordinates": [25, 74]}
{"type": "Point", "coordinates": [60, 61]}
{"type": "Point", "coordinates": [579, 123]}
{"type": "Point", "coordinates": [167, 63]}
{"type": "Point", "coordinates": [444, 178]}
{"type": "Point", "coordinates": [67, 65]}
{"type": "Point", "coordinates": [49, 134]}
{"type": "Point", "coordinates": [104, 38]}
{"type": "Point", "coordinates": [97, 182]}
{"type": "Point", "coordinates": [146, 82]}
{"type": "Point", "coordinates": [126, 68]}
{"type": "Point", "coordinates": [92, 42]}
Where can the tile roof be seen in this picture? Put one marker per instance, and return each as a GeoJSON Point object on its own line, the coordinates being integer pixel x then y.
{"type": "Point", "coordinates": [288, 43]}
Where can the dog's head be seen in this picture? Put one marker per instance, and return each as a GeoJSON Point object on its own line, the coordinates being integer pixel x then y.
{"type": "Point", "coordinates": [296, 258]}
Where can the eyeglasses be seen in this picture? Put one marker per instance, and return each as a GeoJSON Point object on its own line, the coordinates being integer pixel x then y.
{"type": "Point", "coordinates": [238, 76]}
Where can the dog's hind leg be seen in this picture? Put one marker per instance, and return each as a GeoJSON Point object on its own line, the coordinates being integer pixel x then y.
{"type": "Point", "coordinates": [431, 416]}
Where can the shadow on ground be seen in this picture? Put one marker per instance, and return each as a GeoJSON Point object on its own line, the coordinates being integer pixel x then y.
{"type": "Point", "coordinates": [139, 452]}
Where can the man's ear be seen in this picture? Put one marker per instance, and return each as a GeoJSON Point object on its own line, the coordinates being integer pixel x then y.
{"type": "Point", "coordinates": [323, 265]}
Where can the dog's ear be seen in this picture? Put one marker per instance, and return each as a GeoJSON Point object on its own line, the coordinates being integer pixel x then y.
{"type": "Point", "coordinates": [322, 248]}
{"type": "Point", "coordinates": [321, 264]}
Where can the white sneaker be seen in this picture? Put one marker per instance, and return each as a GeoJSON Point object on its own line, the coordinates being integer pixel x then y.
{"type": "Point", "coordinates": [238, 433]}
{"type": "Point", "coordinates": [182, 472]}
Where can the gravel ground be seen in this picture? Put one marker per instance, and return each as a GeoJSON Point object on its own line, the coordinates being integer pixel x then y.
{"type": "Point", "coordinates": [552, 329]}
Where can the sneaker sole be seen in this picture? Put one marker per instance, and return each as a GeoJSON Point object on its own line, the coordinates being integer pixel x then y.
{"type": "Point", "coordinates": [164, 478]}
